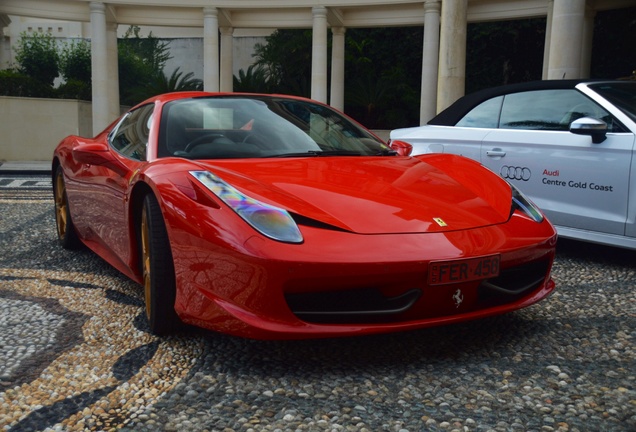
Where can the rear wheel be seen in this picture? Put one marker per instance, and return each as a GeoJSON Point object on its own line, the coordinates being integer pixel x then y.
{"type": "Point", "coordinates": [158, 269]}
{"type": "Point", "coordinates": [65, 230]}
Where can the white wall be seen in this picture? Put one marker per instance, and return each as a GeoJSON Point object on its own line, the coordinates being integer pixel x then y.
{"type": "Point", "coordinates": [30, 128]}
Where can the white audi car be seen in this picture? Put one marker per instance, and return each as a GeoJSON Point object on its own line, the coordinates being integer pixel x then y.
{"type": "Point", "coordinates": [569, 145]}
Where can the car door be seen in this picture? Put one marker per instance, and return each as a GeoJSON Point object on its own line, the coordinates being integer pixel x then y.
{"type": "Point", "coordinates": [577, 183]}
{"type": "Point", "coordinates": [103, 191]}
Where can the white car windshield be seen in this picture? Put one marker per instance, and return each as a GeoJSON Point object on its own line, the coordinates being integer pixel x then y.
{"type": "Point", "coordinates": [621, 94]}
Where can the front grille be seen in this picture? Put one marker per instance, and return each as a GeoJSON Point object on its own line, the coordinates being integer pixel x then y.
{"type": "Point", "coordinates": [350, 306]}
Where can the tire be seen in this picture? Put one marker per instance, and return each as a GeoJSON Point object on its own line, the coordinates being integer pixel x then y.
{"type": "Point", "coordinates": [157, 269]}
{"type": "Point", "coordinates": [66, 234]}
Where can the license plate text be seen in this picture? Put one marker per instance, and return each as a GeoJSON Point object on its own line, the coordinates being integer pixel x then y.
{"type": "Point", "coordinates": [447, 272]}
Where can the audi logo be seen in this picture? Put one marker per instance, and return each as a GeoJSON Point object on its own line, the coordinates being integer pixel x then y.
{"type": "Point", "coordinates": [515, 173]}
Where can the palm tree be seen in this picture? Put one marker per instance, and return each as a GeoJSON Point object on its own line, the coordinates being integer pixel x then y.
{"type": "Point", "coordinates": [161, 83]}
{"type": "Point", "coordinates": [367, 97]}
{"type": "Point", "coordinates": [286, 61]}
{"type": "Point", "coordinates": [253, 80]}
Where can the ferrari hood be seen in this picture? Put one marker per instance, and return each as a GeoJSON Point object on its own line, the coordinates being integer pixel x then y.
{"type": "Point", "coordinates": [375, 195]}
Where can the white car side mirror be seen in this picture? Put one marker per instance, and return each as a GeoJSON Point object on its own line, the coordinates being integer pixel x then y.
{"type": "Point", "coordinates": [595, 128]}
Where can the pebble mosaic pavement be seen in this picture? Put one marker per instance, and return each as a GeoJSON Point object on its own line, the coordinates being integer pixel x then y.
{"type": "Point", "coordinates": [75, 354]}
{"type": "Point", "coordinates": [71, 341]}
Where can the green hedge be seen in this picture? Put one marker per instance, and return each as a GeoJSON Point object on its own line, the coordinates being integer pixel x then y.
{"type": "Point", "coordinates": [16, 84]}
{"type": "Point", "coordinates": [74, 89]}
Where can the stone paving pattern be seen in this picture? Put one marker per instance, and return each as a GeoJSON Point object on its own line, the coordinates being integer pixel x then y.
{"type": "Point", "coordinates": [75, 354]}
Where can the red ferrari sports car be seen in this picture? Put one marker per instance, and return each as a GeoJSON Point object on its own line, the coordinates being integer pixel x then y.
{"type": "Point", "coordinates": [275, 217]}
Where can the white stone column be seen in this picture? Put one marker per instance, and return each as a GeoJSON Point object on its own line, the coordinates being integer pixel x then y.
{"type": "Point", "coordinates": [452, 52]}
{"type": "Point", "coordinates": [566, 39]}
{"type": "Point", "coordinates": [337, 68]}
{"type": "Point", "coordinates": [430, 60]}
{"type": "Point", "coordinates": [319, 54]}
{"type": "Point", "coordinates": [227, 59]}
{"type": "Point", "coordinates": [548, 39]}
{"type": "Point", "coordinates": [99, 67]}
{"type": "Point", "coordinates": [211, 49]}
{"type": "Point", "coordinates": [112, 57]}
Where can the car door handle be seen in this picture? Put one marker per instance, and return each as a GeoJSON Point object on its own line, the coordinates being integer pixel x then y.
{"type": "Point", "coordinates": [495, 153]}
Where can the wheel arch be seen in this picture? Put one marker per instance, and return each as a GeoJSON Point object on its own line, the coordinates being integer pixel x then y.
{"type": "Point", "coordinates": [161, 315]}
{"type": "Point", "coordinates": [66, 231]}
{"type": "Point", "coordinates": [54, 165]}
{"type": "Point", "coordinates": [137, 195]}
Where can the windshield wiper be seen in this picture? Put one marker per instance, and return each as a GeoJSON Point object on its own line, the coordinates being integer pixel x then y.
{"type": "Point", "coordinates": [317, 153]}
{"type": "Point", "coordinates": [386, 152]}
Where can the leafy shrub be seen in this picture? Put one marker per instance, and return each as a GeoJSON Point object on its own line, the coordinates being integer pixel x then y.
{"type": "Point", "coordinates": [38, 57]}
{"type": "Point", "coordinates": [75, 61]}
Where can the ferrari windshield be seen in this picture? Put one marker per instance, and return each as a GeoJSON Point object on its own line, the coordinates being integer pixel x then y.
{"type": "Point", "coordinates": [260, 126]}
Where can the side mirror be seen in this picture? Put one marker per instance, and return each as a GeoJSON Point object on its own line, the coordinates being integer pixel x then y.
{"type": "Point", "coordinates": [402, 148]}
{"type": "Point", "coordinates": [595, 128]}
{"type": "Point", "coordinates": [98, 154]}
{"type": "Point", "coordinates": [92, 154]}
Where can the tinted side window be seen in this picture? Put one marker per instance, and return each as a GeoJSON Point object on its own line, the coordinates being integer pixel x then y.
{"type": "Point", "coordinates": [547, 109]}
{"type": "Point", "coordinates": [484, 115]}
{"type": "Point", "coordinates": [131, 136]}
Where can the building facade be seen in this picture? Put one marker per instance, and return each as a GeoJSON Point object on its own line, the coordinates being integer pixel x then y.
{"type": "Point", "coordinates": [220, 23]}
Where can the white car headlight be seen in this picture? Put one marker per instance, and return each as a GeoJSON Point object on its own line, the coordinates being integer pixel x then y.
{"type": "Point", "coordinates": [269, 220]}
{"type": "Point", "coordinates": [522, 203]}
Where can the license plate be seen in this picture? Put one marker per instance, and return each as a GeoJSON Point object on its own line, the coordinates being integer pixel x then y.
{"type": "Point", "coordinates": [463, 270]}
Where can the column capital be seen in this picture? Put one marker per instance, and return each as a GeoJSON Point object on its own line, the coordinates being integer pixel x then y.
{"type": "Point", "coordinates": [319, 11]}
{"type": "Point", "coordinates": [210, 11]}
{"type": "Point", "coordinates": [98, 7]}
{"type": "Point", "coordinates": [432, 6]}
{"type": "Point", "coordinates": [226, 31]}
{"type": "Point", "coordinates": [338, 31]}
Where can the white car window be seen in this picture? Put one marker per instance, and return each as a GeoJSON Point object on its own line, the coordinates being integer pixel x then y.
{"type": "Point", "coordinates": [547, 109]}
{"type": "Point", "coordinates": [484, 115]}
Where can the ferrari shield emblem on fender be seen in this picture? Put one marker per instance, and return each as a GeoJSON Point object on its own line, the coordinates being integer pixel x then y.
{"type": "Point", "coordinates": [458, 298]}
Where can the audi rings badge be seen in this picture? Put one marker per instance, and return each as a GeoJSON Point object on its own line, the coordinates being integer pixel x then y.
{"type": "Point", "coordinates": [515, 173]}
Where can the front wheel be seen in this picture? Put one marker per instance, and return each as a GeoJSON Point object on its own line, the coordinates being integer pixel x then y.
{"type": "Point", "coordinates": [66, 234]}
{"type": "Point", "coordinates": [158, 269]}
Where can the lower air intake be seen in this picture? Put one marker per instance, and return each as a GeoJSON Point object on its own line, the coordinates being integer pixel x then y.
{"type": "Point", "coordinates": [350, 306]}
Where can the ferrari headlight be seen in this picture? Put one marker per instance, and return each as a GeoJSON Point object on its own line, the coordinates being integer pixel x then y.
{"type": "Point", "coordinates": [270, 221]}
{"type": "Point", "coordinates": [522, 203]}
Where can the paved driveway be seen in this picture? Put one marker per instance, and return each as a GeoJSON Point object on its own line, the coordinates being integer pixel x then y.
{"type": "Point", "coordinates": [75, 354]}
